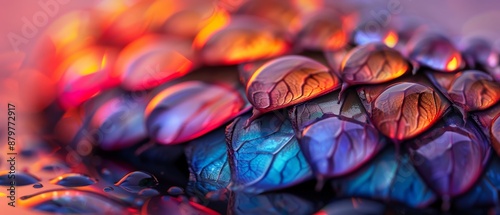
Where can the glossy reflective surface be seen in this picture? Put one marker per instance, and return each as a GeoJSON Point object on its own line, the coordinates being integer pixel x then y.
{"type": "Point", "coordinates": [323, 30]}
{"type": "Point", "coordinates": [436, 52]}
{"type": "Point", "coordinates": [474, 90]}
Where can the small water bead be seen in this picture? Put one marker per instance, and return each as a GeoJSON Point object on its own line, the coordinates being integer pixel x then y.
{"type": "Point", "coordinates": [73, 180]}
{"type": "Point", "coordinates": [405, 109]}
{"type": "Point", "coordinates": [85, 74]}
{"type": "Point", "coordinates": [289, 80]}
{"type": "Point", "coordinates": [372, 63]}
{"type": "Point", "coordinates": [175, 191]}
{"type": "Point", "coordinates": [436, 52]}
{"type": "Point", "coordinates": [152, 60]}
{"type": "Point", "coordinates": [244, 39]}
{"type": "Point", "coordinates": [37, 185]}
{"type": "Point", "coordinates": [136, 181]}
{"type": "Point", "coordinates": [148, 192]}
{"type": "Point", "coordinates": [70, 201]}
{"type": "Point", "coordinates": [188, 110]}
{"type": "Point", "coordinates": [21, 178]}
{"type": "Point", "coordinates": [108, 189]}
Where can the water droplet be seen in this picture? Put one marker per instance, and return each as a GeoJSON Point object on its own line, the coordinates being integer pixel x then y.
{"type": "Point", "coordinates": [153, 60]}
{"type": "Point", "coordinates": [474, 90]}
{"type": "Point", "coordinates": [148, 192]}
{"type": "Point", "coordinates": [372, 64]}
{"type": "Point", "coordinates": [21, 178]}
{"type": "Point", "coordinates": [86, 73]}
{"type": "Point", "coordinates": [108, 189]}
{"type": "Point", "coordinates": [37, 185]}
{"type": "Point", "coordinates": [175, 191]}
{"type": "Point", "coordinates": [134, 182]}
{"type": "Point", "coordinates": [188, 110]}
{"type": "Point", "coordinates": [436, 52]}
{"type": "Point", "coordinates": [244, 39]}
{"type": "Point", "coordinates": [405, 110]}
{"type": "Point", "coordinates": [72, 202]}
{"type": "Point", "coordinates": [73, 180]}
{"type": "Point", "coordinates": [289, 80]}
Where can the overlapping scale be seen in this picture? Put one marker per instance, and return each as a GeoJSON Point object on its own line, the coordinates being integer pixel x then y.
{"type": "Point", "coordinates": [190, 109]}
{"type": "Point", "coordinates": [451, 156]}
{"type": "Point", "coordinates": [85, 74]}
{"type": "Point", "coordinates": [208, 165]}
{"type": "Point", "coordinates": [474, 90]}
{"type": "Point", "coordinates": [372, 63]}
{"type": "Point", "coordinates": [489, 121]}
{"type": "Point", "coordinates": [479, 53]}
{"type": "Point", "coordinates": [322, 30]}
{"type": "Point", "coordinates": [243, 39]}
{"type": "Point", "coordinates": [265, 155]}
{"type": "Point", "coordinates": [152, 60]}
{"type": "Point", "coordinates": [390, 179]}
{"type": "Point", "coordinates": [119, 122]}
{"type": "Point", "coordinates": [371, 31]}
{"type": "Point", "coordinates": [435, 51]}
{"type": "Point", "coordinates": [404, 110]}
{"type": "Point", "coordinates": [288, 80]}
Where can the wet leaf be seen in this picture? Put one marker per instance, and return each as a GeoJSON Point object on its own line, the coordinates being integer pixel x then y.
{"type": "Point", "coordinates": [450, 158]}
{"type": "Point", "coordinates": [368, 33]}
{"type": "Point", "coordinates": [336, 146]}
{"type": "Point", "coordinates": [405, 109]}
{"type": "Point", "coordinates": [119, 122]}
{"type": "Point", "coordinates": [191, 109]}
{"type": "Point", "coordinates": [436, 52]}
{"type": "Point", "coordinates": [390, 179]}
{"type": "Point", "coordinates": [287, 81]}
{"type": "Point", "coordinates": [152, 60]}
{"type": "Point", "coordinates": [474, 90]}
{"type": "Point", "coordinates": [322, 30]}
{"type": "Point", "coordinates": [271, 203]}
{"type": "Point", "coordinates": [244, 39]}
{"type": "Point", "coordinates": [71, 201]}
{"type": "Point", "coordinates": [265, 155]}
{"type": "Point", "coordinates": [306, 113]}
{"type": "Point", "coordinates": [174, 205]}
{"type": "Point", "coordinates": [85, 74]}
{"type": "Point", "coordinates": [373, 63]}
{"type": "Point", "coordinates": [208, 165]}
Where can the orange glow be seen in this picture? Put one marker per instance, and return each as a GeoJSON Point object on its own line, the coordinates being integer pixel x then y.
{"type": "Point", "coordinates": [214, 24]}
{"type": "Point", "coordinates": [308, 6]}
{"type": "Point", "coordinates": [452, 63]}
{"type": "Point", "coordinates": [337, 41]}
{"type": "Point", "coordinates": [260, 46]}
{"type": "Point", "coordinates": [391, 39]}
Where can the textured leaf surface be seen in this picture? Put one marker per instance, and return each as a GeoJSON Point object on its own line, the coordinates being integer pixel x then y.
{"type": "Point", "coordinates": [265, 155]}
{"type": "Point", "coordinates": [153, 60]}
{"type": "Point", "coordinates": [405, 110]}
{"type": "Point", "coordinates": [188, 110]}
{"type": "Point", "coordinates": [450, 159]}
{"type": "Point", "coordinates": [390, 179]}
{"type": "Point", "coordinates": [372, 64]}
{"type": "Point", "coordinates": [474, 90]}
{"type": "Point", "coordinates": [311, 111]}
{"type": "Point", "coordinates": [208, 165]}
{"type": "Point", "coordinates": [436, 52]}
{"type": "Point", "coordinates": [271, 203]}
{"type": "Point", "coordinates": [485, 192]}
{"type": "Point", "coordinates": [287, 81]}
{"type": "Point", "coordinates": [336, 146]}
